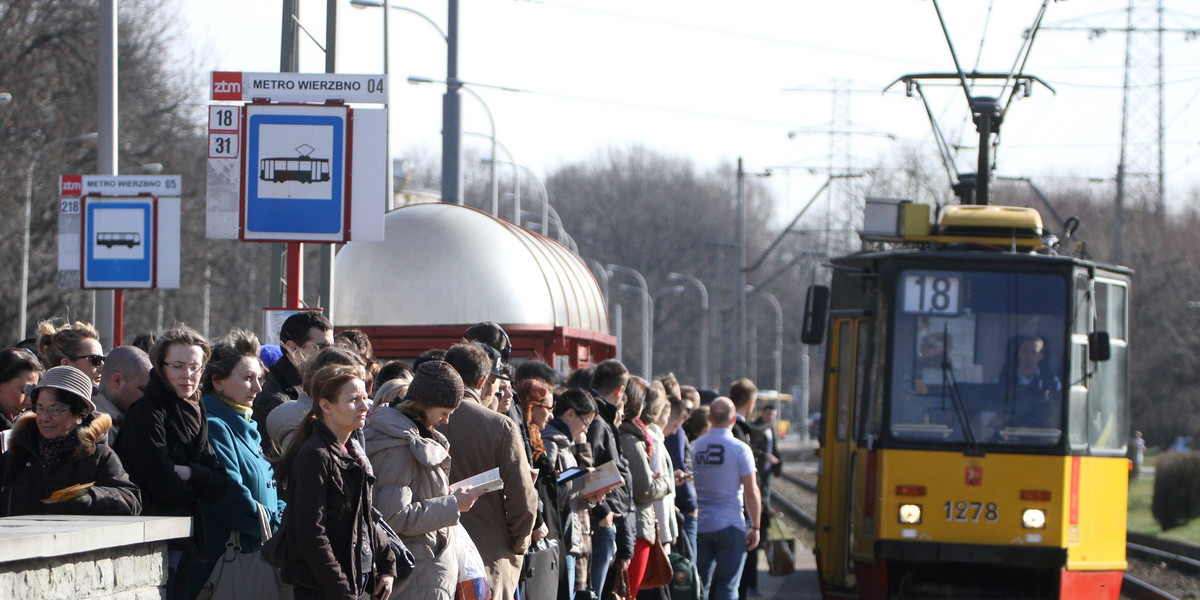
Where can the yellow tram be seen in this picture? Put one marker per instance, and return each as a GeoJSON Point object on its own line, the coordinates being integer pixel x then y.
{"type": "Point", "coordinates": [975, 412]}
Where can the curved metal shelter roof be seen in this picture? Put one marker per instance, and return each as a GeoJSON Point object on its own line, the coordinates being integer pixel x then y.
{"type": "Point", "coordinates": [445, 264]}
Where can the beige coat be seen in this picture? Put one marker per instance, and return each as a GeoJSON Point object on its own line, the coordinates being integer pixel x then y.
{"type": "Point", "coordinates": [500, 522]}
{"type": "Point", "coordinates": [646, 486]}
{"type": "Point", "coordinates": [412, 492]}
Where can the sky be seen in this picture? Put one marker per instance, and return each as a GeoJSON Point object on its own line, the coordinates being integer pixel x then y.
{"type": "Point", "coordinates": [714, 81]}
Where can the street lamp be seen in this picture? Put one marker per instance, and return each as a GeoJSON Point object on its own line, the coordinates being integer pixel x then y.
{"type": "Point", "coordinates": [451, 103]}
{"type": "Point", "coordinates": [491, 125]}
{"type": "Point", "coordinates": [778, 333]}
{"type": "Point", "coordinates": [22, 320]}
{"type": "Point", "coordinates": [646, 310]}
{"type": "Point", "coordinates": [707, 322]}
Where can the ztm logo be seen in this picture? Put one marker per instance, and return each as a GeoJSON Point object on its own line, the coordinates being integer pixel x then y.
{"type": "Point", "coordinates": [71, 185]}
{"type": "Point", "coordinates": [974, 475]}
{"type": "Point", "coordinates": [227, 85]}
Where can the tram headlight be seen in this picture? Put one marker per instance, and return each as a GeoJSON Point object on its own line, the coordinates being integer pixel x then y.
{"type": "Point", "coordinates": [910, 514]}
{"type": "Point", "coordinates": [1033, 518]}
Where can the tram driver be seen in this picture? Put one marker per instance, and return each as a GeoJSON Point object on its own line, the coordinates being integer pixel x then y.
{"type": "Point", "coordinates": [1036, 392]}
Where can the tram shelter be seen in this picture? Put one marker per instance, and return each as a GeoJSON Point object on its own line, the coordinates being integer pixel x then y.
{"type": "Point", "coordinates": [444, 267]}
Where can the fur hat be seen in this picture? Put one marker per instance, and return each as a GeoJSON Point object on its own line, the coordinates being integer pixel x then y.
{"type": "Point", "coordinates": [70, 380]}
{"type": "Point", "coordinates": [435, 385]}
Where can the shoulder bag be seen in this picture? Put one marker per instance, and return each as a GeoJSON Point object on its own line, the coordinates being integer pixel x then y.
{"type": "Point", "coordinates": [238, 576]}
{"type": "Point", "coordinates": [405, 561]}
{"type": "Point", "coordinates": [658, 566]}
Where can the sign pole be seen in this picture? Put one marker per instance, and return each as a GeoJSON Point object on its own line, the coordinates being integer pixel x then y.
{"type": "Point", "coordinates": [106, 303]}
{"type": "Point", "coordinates": [293, 275]}
{"type": "Point", "coordinates": [118, 316]}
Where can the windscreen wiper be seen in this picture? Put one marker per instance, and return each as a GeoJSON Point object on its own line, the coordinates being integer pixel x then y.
{"type": "Point", "coordinates": [960, 408]}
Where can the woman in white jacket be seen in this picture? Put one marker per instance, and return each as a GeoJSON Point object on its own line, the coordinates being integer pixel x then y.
{"type": "Point", "coordinates": [412, 468]}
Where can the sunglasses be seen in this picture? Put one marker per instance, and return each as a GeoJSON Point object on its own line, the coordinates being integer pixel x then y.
{"type": "Point", "coordinates": [95, 359]}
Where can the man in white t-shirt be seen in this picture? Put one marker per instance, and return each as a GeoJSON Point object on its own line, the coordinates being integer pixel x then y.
{"type": "Point", "coordinates": [726, 494]}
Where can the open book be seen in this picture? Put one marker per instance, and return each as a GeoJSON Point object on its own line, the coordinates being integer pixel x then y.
{"type": "Point", "coordinates": [603, 478]}
{"type": "Point", "coordinates": [487, 481]}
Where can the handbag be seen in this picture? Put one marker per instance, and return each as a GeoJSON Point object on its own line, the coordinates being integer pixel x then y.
{"type": "Point", "coordinates": [658, 566]}
{"type": "Point", "coordinates": [238, 576]}
{"type": "Point", "coordinates": [405, 561]}
{"type": "Point", "coordinates": [274, 547]}
{"type": "Point", "coordinates": [781, 558]}
{"type": "Point", "coordinates": [540, 569]}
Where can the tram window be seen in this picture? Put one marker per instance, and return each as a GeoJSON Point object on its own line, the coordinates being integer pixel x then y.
{"type": "Point", "coordinates": [1083, 314]}
{"type": "Point", "coordinates": [845, 372]}
{"type": "Point", "coordinates": [991, 392]}
{"type": "Point", "coordinates": [1108, 385]}
{"type": "Point", "coordinates": [868, 411]}
{"type": "Point", "coordinates": [1110, 309]}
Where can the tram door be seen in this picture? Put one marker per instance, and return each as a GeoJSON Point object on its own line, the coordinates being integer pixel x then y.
{"type": "Point", "coordinates": [836, 503]}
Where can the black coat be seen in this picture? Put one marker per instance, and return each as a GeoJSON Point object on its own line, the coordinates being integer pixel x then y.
{"type": "Point", "coordinates": [334, 540]}
{"type": "Point", "coordinates": [86, 459]}
{"type": "Point", "coordinates": [160, 432]}
{"type": "Point", "coordinates": [603, 438]}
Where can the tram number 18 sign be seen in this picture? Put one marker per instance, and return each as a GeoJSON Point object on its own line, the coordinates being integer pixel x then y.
{"type": "Point", "coordinates": [931, 292]}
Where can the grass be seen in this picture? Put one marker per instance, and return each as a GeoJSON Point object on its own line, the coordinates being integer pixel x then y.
{"type": "Point", "coordinates": [1141, 494]}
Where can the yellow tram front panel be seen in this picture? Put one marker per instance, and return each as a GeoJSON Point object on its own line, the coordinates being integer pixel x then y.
{"type": "Point", "coordinates": [983, 501]}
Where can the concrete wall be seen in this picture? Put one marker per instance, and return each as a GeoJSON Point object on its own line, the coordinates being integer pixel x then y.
{"type": "Point", "coordinates": [77, 557]}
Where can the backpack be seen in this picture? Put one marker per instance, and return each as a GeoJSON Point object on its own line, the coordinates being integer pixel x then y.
{"type": "Point", "coordinates": [685, 585]}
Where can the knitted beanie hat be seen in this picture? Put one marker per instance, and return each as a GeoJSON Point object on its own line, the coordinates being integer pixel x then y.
{"type": "Point", "coordinates": [436, 385]}
{"type": "Point", "coordinates": [78, 387]}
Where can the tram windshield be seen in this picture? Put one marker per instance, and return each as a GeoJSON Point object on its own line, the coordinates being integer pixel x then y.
{"type": "Point", "coordinates": [977, 358]}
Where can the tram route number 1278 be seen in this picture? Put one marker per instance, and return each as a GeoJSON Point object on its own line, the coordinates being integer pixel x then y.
{"type": "Point", "coordinates": [964, 512]}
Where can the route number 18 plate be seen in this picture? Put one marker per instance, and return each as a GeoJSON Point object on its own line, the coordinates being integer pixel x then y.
{"type": "Point", "coordinates": [932, 292]}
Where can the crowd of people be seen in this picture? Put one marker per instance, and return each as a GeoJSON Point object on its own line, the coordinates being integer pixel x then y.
{"type": "Point", "coordinates": [463, 474]}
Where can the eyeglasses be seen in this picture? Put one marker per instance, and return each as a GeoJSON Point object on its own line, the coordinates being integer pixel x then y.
{"type": "Point", "coordinates": [545, 406]}
{"type": "Point", "coordinates": [190, 368]}
{"type": "Point", "coordinates": [95, 359]}
{"type": "Point", "coordinates": [53, 411]}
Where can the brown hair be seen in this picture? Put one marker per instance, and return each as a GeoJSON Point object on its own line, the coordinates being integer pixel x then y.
{"type": "Point", "coordinates": [227, 352]}
{"type": "Point", "coordinates": [56, 343]}
{"type": "Point", "coordinates": [742, 392]}
{"type": "Point", "coordinates": [325, 383]}
{"type": "Point", "coordinates": [180, 334]}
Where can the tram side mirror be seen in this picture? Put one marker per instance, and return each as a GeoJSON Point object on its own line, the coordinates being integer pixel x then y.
{"type": "Point", "coordinates": [816, 312]}
{"type": "Point", "coordinates": [1098, 346]}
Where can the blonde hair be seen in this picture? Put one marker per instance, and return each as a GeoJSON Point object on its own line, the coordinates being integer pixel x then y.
{"type": "Point", "coordinates": [57, 343]}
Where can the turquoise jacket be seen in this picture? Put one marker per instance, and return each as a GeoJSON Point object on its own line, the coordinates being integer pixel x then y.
{"type": "Point", "coordinates": [251, 482]}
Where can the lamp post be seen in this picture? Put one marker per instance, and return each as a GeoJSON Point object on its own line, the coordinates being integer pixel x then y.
{"type": "Point", "coordinates": [740, 283]}
{"type": "Point", "coordinates": [778, 334]}
{"type": "Point", "coordinates": [22, 321]}
{"type": "Point", "coordinates": [646, 310]}
{"type": "Point", "coordinates": [491, 126]}
{"type": "Point", "coordinates": [647, 328]}
{"type": "Point", "coordinates": [516, 178]}
{"type": "Point", "coordinates": [707, 323]}
{"type": "Point", "coordinates": [451, 102]}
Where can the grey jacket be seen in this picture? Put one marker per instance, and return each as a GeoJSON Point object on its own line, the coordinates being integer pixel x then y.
{"type": "Point", "coordinates": [646, 487]}
{"type": "Point", "coordinates": [412, 492]}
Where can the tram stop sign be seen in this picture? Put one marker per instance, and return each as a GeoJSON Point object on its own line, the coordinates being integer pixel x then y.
{"type": "Point", "coordinates": [300, 159]}
{"type": "Point", "coordinates": [294, 183]}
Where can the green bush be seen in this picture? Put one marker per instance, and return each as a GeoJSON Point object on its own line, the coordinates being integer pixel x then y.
{"type": "Point", "coordinates": [1176, 489]}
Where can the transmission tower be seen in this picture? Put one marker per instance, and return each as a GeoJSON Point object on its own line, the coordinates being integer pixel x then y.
{"type": "Point", "coordinates": [840, 130]}
{"type": "Point", "coordinates": [1140, 168]}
